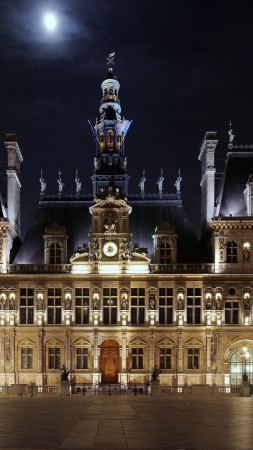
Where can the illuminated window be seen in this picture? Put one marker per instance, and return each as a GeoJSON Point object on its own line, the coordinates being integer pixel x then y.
{"type": "Point", "coordinates": [165, 306]}
{"type": "Point", "coordinates": [26, 310]}
{"type": "Point", "coordinates": [82, 358]}
{"type": "Point", "coordinates": [193, 358]}
{"type": "Point", "coordinates": [26, 358]}
{"type": "Point", "coordinates": [101, 140]}
{"type": "Point", "coordinates": [55, 253]}
{"type": "Point", "coordinates": [82, 306]}
{"type": "Point", "coordinates": [54, 309]}
{"type": "Point", "coordinates": [232, 252]}
{"type": "Point", "coordinates": [165, 253]}
{"type": "Point", "coordinates": [110, 138]}
{"type": "Point", "coordinates": [165, 358]}
{"type": "Point", "coordinates": [54, 358]}
{"type": "Point", "coordinates": [138, 306]}
{"type": "Point", "coordinates": [110, 296]}
{"type": "Point", "coordinates": [193, 309]}
{"type": "Point", "coordinates": [240, 362]}
{"type": "Point", "coordinates": [137, 358]}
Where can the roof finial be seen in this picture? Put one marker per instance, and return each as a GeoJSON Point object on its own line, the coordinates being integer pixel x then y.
{"type": "Point", "coordinates": [110, 59]}
{"type": "Point", "coordinates": [231, 135]}
{"type": "Point", "coordinates": [142, 182]}
{"type": "Point", "coordinates": [78, 183]}
{"type": "Point", "coordinates": [178, 182]}
{"type": "Point", "coordinates": [160, 182]}
{"type": "Point", "coordinates": [43, 184]}
{"type": "Point", "coordinates": [60, 182]}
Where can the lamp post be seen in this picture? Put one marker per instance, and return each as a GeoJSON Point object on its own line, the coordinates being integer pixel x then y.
{"type": "Point", "coordinates": [245, 357]}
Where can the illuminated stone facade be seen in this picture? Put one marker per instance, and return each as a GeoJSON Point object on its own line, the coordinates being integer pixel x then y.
{"type": "Point", "coordinates": [113, 284]}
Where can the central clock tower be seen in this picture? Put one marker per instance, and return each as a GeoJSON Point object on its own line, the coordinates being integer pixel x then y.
{"type": "Point", "coordinates": [110, 237]}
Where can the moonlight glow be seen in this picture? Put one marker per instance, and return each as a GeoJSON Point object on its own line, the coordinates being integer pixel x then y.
{"type": "Point", "coordinates": [50, 21]}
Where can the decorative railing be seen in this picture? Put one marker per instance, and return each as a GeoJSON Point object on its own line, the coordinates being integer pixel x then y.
{"type": "Point", "coordinates": [181, 268]}
{"type": "Point", "coordinates": [110, 388]}
{"type": "Point", "coordinates": [39, 268]}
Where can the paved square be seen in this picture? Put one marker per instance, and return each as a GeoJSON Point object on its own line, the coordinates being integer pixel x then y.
{"type": "Point", "coordinates": [126, 422]}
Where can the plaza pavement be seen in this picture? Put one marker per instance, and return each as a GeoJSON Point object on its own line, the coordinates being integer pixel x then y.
{"type": "Point", "coordinates": [126, 422]}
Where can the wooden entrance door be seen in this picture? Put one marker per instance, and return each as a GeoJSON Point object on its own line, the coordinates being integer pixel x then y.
{"type": "Point", "coordinates": [109, 361]}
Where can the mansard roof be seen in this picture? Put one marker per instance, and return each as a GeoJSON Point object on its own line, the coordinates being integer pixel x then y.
{"type": "Point", "coordinates": [238, 169]}
{"type": "Point", "coordinates": [147, 214]}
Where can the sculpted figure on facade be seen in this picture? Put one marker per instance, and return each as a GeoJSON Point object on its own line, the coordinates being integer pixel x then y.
{"type": "Point", "coordinates": [152, 301]}
{"type": "Point", "coordinates": [209, 301]}
{"type": "Point", "coordinates": [142, 182]}
{"type": "Point", "coordinates": [218, 301]}
{"type": "Point", "coordinates": [124, 301]}
{"type": "Point", "coordinates": [12, 303]}
{"type": "Point", "coordinates": [43, 184]}
{"type": "Point", "coordinates": [40, 302]}
{"type": "Point", "coordinates": [180, 301]}
{"type": "Point", "coordinates": [246, 301]}
{"type": "Point", "coordinates": [96, 301]}
{"type": "Point", "coordinates": [95, 251]}
{"type": "Point", "coordinates": [124, 252]}
{"type": "Point", "coordinates": [2, 301]}
{"type": "Point", "coordinates": [68, 302]}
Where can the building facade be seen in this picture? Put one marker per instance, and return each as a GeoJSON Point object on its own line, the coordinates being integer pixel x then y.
{"type": "Point", "coordinates": [113, 284]}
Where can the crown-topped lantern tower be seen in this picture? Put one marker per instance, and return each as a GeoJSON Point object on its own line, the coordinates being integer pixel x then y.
{"type": "Point", "coordinates": [110, 131]}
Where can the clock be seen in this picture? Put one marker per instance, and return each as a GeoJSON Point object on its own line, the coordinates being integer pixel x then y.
{"type": "Point", "coordinates": [110, 248]}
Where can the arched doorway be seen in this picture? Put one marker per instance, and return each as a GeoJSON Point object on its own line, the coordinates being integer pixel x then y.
{"type": "Point", "coordinates": [240, 365]}
{"type": "Point", "coordinates": [109, 361]}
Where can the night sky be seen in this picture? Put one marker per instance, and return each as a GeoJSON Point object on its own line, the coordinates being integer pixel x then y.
{"type": "Point", "coordinates": [185, 67]}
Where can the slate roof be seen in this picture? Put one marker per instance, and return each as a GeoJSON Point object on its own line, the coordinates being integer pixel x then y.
{"type": "Point", "coordinates": [238, 168]}
{"type": "Point", "coordinates": [75, 217]}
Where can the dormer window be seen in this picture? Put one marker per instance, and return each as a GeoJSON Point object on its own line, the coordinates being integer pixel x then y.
{"type": "Point", "coordinates": [232, 252]}
{"type": "Point", "coordinates": [55, 253]}
{"type": "Point", "coordinates": [55, 244]}
{"type": "Point", "coordinates": [165, 253]}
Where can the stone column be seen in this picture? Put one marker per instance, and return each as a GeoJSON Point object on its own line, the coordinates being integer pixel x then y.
{"type": "Point", "coordinates": [180, 377]}
{"type": "Point", "coordinates": [124, 354]}
{"type": "Point", "coordinates": [151, 352]}
{"type": "Point", "coordinates": [68, 351]}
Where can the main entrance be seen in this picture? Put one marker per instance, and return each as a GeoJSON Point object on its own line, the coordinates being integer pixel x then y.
{"type": "Point", "coordinates": [109, 361]}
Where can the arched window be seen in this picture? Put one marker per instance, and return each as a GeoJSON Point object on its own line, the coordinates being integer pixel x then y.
{"type": "Point", "coordinates": [55, 253]}
{"type": "Point", "coordinates": [110, 138]}
{"type": "Point", "coordinates": [165, 253]}
{"type": "Point", "coordinates": [232, 252]}
{"type": "Point", "coordinates": [240, 365]}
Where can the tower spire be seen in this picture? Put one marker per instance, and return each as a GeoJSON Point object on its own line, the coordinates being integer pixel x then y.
{"type": "Point", "coordinates": [109, 134]}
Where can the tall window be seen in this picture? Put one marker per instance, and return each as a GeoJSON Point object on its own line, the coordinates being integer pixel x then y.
{"type": "Point", "coordinates": [26, 309]}
{"type": "Point", "coordinates": [165, 306]}
{"type": "Point", "coordinates": [82, 358]}
{"type": "Point", "coordinates": [137, 358]}
{"type": "Point", "coordinates": [193, 358]}
{"type": "Point", "coordinates": [54, 358]}
{"type": "Point", "coordinates": [110, 296]}
{"type": "Point", "coordinates": [193, 309]}
{"type": "Point", "coordinates": [165, 251]}
{"type": "Point", "coordinates": [232, 252]}
{"type": "Point", "coordinates": [55, 253]}
{"type": "Point", "coordinates": [26, 358]}
{"type": "Point", "coordinates": [231, 312]}
{"type": "Point", "coordinates": [54, 306]}
{"type": "Point", "coordinates": [138, 306]}
{"type": "Point", "coordinates": [82, 306]}
{"type": "Point", "coordinates": [165, 358]}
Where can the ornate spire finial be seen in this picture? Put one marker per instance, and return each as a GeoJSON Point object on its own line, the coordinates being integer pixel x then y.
{"type": "Point", "coordinates": [110, 59]}
{"type": "Point", "coordinates": [231, 135]}
{"type": "Point", "coordinates": [160, 182]}
{"type": "Point", "coordinates": [60, 182]}
{"type": "Point", "coordinates": [78, 183]}
{"type": "Point", "coordinates": [142, 182]}
{"type": "Point", "coordinates": [178, 182]}
{"type": "Point", "coordinates": [43, 184]}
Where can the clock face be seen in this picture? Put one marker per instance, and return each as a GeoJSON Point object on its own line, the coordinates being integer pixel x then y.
{"type": "Point", "coordinates": [110, 249]}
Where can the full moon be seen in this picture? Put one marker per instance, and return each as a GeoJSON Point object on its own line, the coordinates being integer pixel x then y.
{"type": "Point", "coordinates": [50, 21]}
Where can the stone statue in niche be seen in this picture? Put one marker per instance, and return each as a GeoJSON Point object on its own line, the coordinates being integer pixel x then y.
{"type": "Point", "coordinates": [123, 301]}
{"type": "Point", "coordinates": [152, 301]}
{"type": "Point", "coordinates": [96, 301]}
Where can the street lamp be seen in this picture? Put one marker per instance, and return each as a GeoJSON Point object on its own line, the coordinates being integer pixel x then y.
{"type": "Point", "coordinates": [245, 357]}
